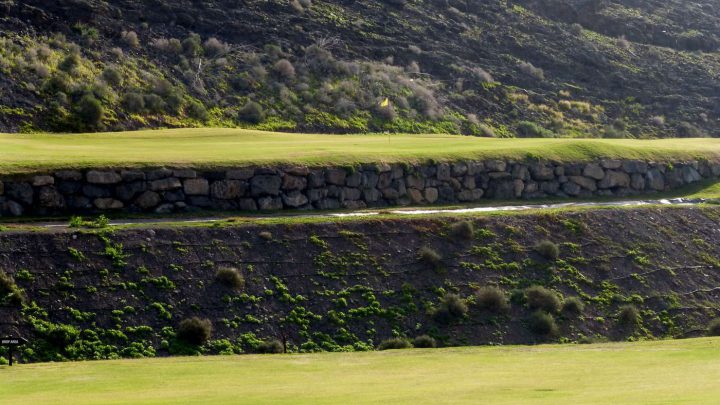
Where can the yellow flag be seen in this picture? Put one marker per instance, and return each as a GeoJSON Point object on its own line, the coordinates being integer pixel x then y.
{"type": "Point", "coordinates": [385, 102]}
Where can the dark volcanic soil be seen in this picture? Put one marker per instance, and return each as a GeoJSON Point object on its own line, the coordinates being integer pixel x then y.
{"type": "Point", "coordinates": [338, 286]}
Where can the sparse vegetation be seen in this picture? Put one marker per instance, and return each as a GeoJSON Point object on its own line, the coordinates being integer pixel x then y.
{"type": "Point", "coordinates": [714, 327]}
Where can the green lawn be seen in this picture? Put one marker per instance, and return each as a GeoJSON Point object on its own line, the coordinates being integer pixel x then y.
{"type": "Point", "coordinates": [664, 372]}
{"type": "Point", "coordinates": [214, 147]}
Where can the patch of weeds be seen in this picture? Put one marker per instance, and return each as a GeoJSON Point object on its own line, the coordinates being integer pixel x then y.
{"type": "Point", "coordinates": [76, 254]}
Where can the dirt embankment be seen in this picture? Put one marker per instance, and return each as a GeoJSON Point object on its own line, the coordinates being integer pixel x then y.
{"type": "Point", "coordinates": [350, 285]}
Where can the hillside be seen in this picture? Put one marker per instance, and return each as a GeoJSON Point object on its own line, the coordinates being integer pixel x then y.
{"type": "Point", "coordinates": [334, 285]}
{"type": "Point", "coordinates": [616, 68]}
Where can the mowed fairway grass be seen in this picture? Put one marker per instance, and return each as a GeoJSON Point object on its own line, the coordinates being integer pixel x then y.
{"type": "Point", "coordinates": [225, 147]}
{"type": "Point", "coordinates": [660, 372]}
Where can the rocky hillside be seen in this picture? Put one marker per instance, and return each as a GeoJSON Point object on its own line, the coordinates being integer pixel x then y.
{"type": "Point", "coordinates": [341, 286]}
{"type": "Point", "coordinates": [612, 68]}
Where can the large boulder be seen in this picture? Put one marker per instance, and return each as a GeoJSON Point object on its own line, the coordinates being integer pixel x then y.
{"type": "Point", "coordinates": [613, 179]}
{"type": "Point", "coordinates": [266, 184]}
{"type": "Point", "coordinates": [197, 186]}
{"type": "Point", "coordinates": [103, 177]}
{"type": "Point", "coordinates": [229, 189]}
{"type": "Point", "coordinates": [594, 171]}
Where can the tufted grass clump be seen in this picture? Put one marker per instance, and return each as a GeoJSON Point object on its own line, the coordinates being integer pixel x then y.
{"type": "Point", "coordinates": [195, 331]}
{"type": "Point", "coordinates": [548, 250]}
{"type": "Point", "coordinates": [714, 327]}
{"type": "Point", "coordinates": [9, 291]}
{"type": "Point", "coordinates": [628, 316]}
{"type": "Point", "coordinates": [540, 298]}
{"type": "Point", "coordinates": [394, 344]}
{"type": "Point", "coordinates": [430, 257]}
{"type": "Point", "coordinates": [273, 346]}
{"type": "Point", "coordinates": [492, 299]}
{"type": "Point", "coordinates": [230, 277]}
{"type": "Point", "coordinates": [424, 342]}
{"type": "Point", "coordinates": [462, 230]}
{"type": "Point", "coordinates": [451, 307]}
{"type": "Point", "coordinates": [543, 324]}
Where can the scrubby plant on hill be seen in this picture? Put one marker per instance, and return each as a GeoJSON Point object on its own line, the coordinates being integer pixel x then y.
{"type": "Point", "coordinates": [493, 68]}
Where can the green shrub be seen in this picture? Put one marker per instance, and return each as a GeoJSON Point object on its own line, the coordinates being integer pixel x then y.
{"type": "Point", "coordinates": [270, 347]}
{"type": "Point", "coordinates": [154, 103]}
{"type": "Point", "coordinates": [492, 299]}
{"type": "Point", "coordinates": [284, 68]}
{"type": "Point", "coordinates": [252, 113]}
{"type": "Point", "coordinates": [130, 38]}
{"type": "Point", "coordinates": [628, 316]}
{"type": "Point", "coordinates": [540, 298]}
{"type": "Point", "coordinates": [133, 103]}
{"type": "Point", "coordinates": [543, 324]}
{"type": "Point", "coordinates": [195, 331]}
{"type": "Point", "coordinates": [530, 70]}
{"type": "Point", "coordinates": [70, 63]}
{"type": "Point", "coordinates": [451, 307]}
{"type": "Point", "coordinates": [90, 111]}
{"type": "Point", "coordinates": [462, 230]}
{"type": "Point", "coordinates": [9, 291]}
{"type": "Point", "coordinates": [573, 306]}
{"type": "Point", "coordinates": [714, 327]}
{"type": "Point", "coordinates": [527, 129]}
{"type": "Point", "coordinates": [112, 76]}
{"type": "Point", "coordinates": [230, 277]}
{"type": "Point", "coordinates": [197, 110]}
{"type": "Point", "coordinates": [394, 343]}
{"type": "Point", "coordinates": [430, 257]}
{"type": "Point", "coordinates": [424, 342]}
{"type": "Point", "coordinates": [548, 250]}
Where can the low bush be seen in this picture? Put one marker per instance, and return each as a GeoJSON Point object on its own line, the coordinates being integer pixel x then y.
{"type": "Point", "coordinates": [540, 298]}
{"type": "Point", "coordinates": [394, 343]}
{"type": "Point", "coordinates": [90, 111]}
{"type": "Point", "coordinates": [9, 291]}
{"type": "Point", "coordinates": [270, 347]}
{"type": "Point", "coordinates": [430, 256]}
{"type": "Point", "coordinates": [133, 103]}
{"type": "Point", "coordinates": [548, 250]}
{"type": "Point", "coordinates": [543, 324]}
{"type": "Point", "coordinates": [252, 113]}
{"type": "Point", "coordinates": [530, 70]}
{"type": "Point", "coordinates": [527, 129]}
{"type": "Point", "coordinates": [230, 277]}
{"type": "Point", "coordinates": [195, 331]}
{"type": "Point", "coordinates": [284, 68]}
{"type": "Point", "coordinates": [462, 230]}
{"type": "Point", "coordinates": [573, 306]}
{"type": "Point", "coordinates": [451, 307]}
{"type": "Point", "coordinates": [424, 342]}
{"type": "Point", "coordinates": [714, 327]}
{"type": "Point", "coordinates": [492, 299]}
{"type": "Point", "coordinates": [628, 316]}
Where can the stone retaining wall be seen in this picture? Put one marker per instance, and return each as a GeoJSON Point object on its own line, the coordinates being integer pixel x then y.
{"type": "Point", "coordinates": [167, 190]}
